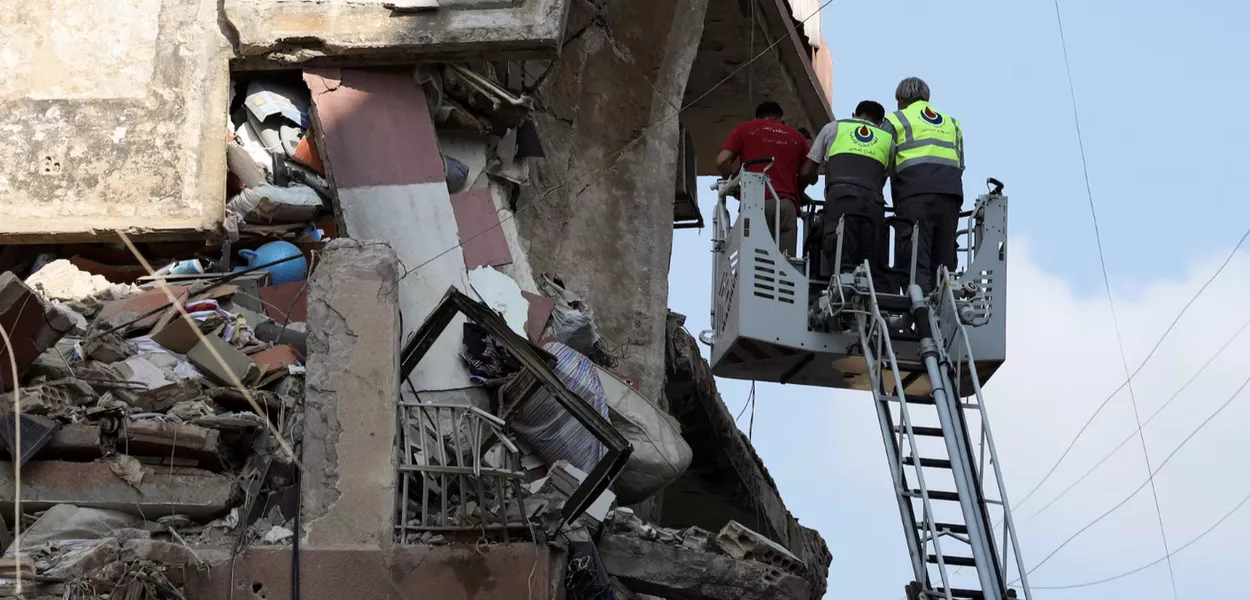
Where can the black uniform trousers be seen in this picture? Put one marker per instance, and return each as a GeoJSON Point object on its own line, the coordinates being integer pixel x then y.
{"type": "Point", "coordinates": [863, 230]}
{"type": "Point", "coordinates": [938, 218]}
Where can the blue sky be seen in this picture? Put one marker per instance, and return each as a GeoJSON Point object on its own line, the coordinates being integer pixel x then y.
{"type": "Point", "coordinates": [1146, 73]}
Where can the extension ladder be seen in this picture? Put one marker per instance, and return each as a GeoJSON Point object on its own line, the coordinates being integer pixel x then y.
{"type": "Point", "coordinates": [948, 530]}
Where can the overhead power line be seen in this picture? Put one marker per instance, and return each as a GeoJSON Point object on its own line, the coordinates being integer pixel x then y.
{"type": "Point", "coordinates": [611, 160]}
{"type": "Point", "coordinates": [1115, 321]}
{"type": "Point", "coordinates": [1104, 515]}
{"type": "Point", "coordinates": [1215, 525]}
{"type": "Point", "coordinates": [1154, 349]}
{"type": "Point", "coordinates": [1128, 439]}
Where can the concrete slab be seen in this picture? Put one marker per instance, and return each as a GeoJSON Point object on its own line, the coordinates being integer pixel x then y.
{"type": "Point", "coordinates": [498, 572]}
{"type": "Point", "coordinates": [164, 490]}
{"type": "Point", "coordinates": [308, 30]}
{"type": "Point", "coordinates": [114, 120]}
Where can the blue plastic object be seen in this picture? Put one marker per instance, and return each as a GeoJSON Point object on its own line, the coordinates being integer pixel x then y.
{"type": "Point", "coordinates": [287, 272]}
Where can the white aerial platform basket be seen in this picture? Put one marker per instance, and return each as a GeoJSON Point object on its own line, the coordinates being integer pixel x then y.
{"type": "Point", "coordinates": [760, 302]}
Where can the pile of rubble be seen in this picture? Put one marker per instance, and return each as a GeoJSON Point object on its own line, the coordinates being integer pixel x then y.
{"type": "Point", "coordinates": [147, 425]}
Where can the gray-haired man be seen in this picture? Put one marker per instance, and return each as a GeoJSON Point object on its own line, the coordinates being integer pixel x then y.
{"type": "Point", "coordinates": [927, 179]}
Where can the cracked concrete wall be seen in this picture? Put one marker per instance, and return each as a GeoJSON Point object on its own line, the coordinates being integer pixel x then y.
{"type": "Point", "coordinates": [113, 119]}
{"type": "Point", "coordinates": [349, 406]}
{"type": "Point", "coordinates": [600, 210]}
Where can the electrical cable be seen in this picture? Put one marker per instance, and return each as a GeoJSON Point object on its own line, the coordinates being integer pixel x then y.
{"type": "Point", "coordinates": [1111, 299]}
{"type": "Point", "coordinates": [1128, 439]}
{"type": "Point", "coordinates": [611, 160]}
{"type": "Point", "coordinates": [1156, 347]}
{"type": "Point", "coordinates": [1221, 520]}
{"type": "Point", "coordinates": [1104, 515]}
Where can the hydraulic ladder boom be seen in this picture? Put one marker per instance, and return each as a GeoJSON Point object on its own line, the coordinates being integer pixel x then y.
{"type": "Point", "coordinates": [946, 528]}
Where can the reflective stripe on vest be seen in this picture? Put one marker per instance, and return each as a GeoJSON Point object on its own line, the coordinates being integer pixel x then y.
{"type": "Point", "coordinates": [924, 136]}
{"type": "Point", "coordinates": [859, 137]}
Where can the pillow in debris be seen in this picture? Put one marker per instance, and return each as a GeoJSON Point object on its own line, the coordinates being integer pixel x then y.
{"type": "Point", "coordinates": [551, 430]}
{"type": "Point", "coordinates": [660, 454]}
{"type": "Point", "coordinates": [270, 204]}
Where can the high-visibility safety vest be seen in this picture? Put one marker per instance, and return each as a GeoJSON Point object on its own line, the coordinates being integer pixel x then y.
{"type": "Point", "coordinates": [859, 155]}
{"type": "Point", "coordinates": [928, 152]}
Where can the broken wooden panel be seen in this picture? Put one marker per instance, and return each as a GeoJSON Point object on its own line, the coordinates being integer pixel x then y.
{"type": "Point", "coordinates": [118, 123]}
{"type": "Point", "coordinates": [303, 31]}
{"type": "Point", "coordinates": [481, 238]}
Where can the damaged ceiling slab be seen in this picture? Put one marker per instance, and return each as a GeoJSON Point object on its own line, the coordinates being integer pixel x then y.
{"type": "Point", "coordinates": [299, 31]}
{"type": "Point", "coordinates": [105, 113]}
{"type": "Point", "coordinates": [784, 74]}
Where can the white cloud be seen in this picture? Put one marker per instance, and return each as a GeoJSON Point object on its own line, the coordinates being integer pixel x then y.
{"type": "Point", "coordinates": [824, 449]}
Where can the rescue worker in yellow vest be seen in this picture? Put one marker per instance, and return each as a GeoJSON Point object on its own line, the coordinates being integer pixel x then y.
{"type": "Point", "coordinates": [856, 159]}
{"type": "Point", "coordinates": [927, 180]}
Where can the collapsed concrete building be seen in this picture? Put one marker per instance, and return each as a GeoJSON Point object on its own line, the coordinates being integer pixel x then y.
{"type": "Point", "coordinates": [473, 387]}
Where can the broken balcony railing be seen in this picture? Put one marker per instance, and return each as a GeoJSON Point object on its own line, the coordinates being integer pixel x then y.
{"type": "Point", "coordinates": [538, 376]}
{"type": "Point", "coordinates": [458, 472]}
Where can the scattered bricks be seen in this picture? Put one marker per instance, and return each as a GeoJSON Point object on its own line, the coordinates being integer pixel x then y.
{"type": "Point", "coordinates": [158, 552]}
{"type": "Point", "coordinates": [33, 325]}
{"type": "Point", "coordinates": [168, 440]}
{"type": "Point", "coordinates": [49, 398]}
{"type": "Point", "coordinates": [736, 540]}
{"type": "Point", "coordinates": [200, 494]}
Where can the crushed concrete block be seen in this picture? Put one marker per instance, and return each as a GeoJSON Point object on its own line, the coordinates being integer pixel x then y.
{"type": "Point", "coordinates": [61, 280]}
{"type": "Point", "coordinates": [49, 398]}
{"type": "Point", "coordinates": [33, 325]}
{"type": "Point", "coordinates": [80, 323]}
{"type": "Point", "coordinates": [164, 397]}
{"type": "Point", "coordinates": [158, 552]}
{"type": "Point", "coordinates": [175, 440]}
{"type": "Point", "coordinates": [164, 490]}
{"type": "Point", "coordinates": [671, 571]}
{"type": "Point", "coordinates": [736, 540]}
{"type": "Point", "coordinates": [108, 349]}
{"type": "Point", "coordinates": [696, 538]}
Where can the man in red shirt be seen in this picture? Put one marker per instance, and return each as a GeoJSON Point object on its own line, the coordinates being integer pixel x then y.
{"type": "Point", "coordinates": [766, 136]}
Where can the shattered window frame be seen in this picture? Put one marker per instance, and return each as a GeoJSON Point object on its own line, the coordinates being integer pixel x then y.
{"type": "Point", "coordinates": [532, 362]}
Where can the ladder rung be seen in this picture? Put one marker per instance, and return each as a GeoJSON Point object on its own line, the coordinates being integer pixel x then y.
{"type": "Point", "coordinates": [933, 463]}
{"type": "Point", "coordinates": [958, 593]}
{"type": "Point", "coordinates": [948, 527]}
{"type": "Point", "coordinates": [933, 495]}
{"type": "Point", "coordinates": [929, 431]}
{"type": "Point", "coordinates": [958, 561]}
{"type": "Point", "coordinates": [928, 400]}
